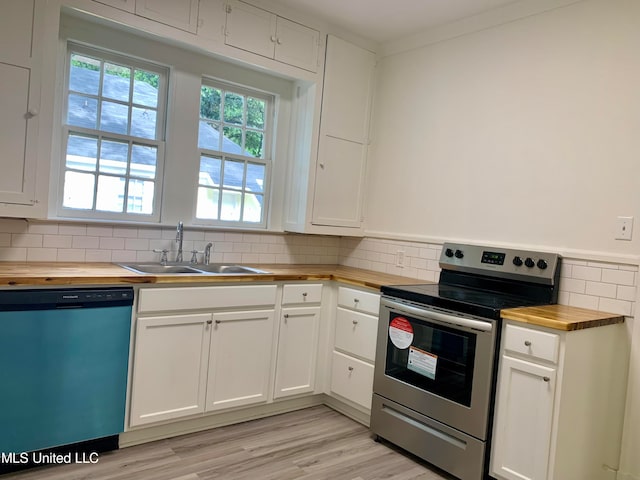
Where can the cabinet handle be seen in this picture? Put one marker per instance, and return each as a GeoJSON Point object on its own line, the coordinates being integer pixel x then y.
{"type": "Point", "coordinates": [218, 321]}
{"type": "Point", "coordinates": [546, 379]}
{"type": "Point", "coordinates": [356, 300]}
{"type": "Point", "coordinates": [350, 369]}
{"type": "Point", "coordinates": [527, 343]}
{"type": "Point", "coordinates": [304, 294]}
{"type": "Point", "coordinates": [286, 315]}
{"type": "Point", "coordinates": [355, 322]}
{"type": "Point", "coordinates": [209, 322]}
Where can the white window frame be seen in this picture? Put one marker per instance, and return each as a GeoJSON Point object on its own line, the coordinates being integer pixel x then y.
{"type": "Point", "coordinates": [266, 160]}
{"type": "Point", "coordinates": [158, 142]}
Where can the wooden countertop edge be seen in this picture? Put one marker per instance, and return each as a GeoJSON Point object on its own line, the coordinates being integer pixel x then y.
{"type": "Point", "coordinates": [565, 320]}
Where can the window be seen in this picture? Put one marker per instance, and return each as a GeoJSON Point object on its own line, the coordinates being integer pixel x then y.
{"type": "Point", "coordinates": [234, 142]}
{"type": "Point", "coordinates": [113, 136]}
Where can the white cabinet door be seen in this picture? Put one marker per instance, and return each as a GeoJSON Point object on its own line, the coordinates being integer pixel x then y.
{"type": "Point", "coordinates": [297, 351]}
{"type": "Point", "coordinates": [339, 182]}
{"type": "Point", "coordinates": [182, 14]}
{"type": "Point", "coordinates": [170, 367]}
{"type": "Point", "coordinates": [126, 5]}
{"type": "Point", "coordinates": [352, 379]}
{"type": "Point", "coordinates": [524, 411]}
{"type": "Point", "coordinates": [251, 29]}
{"type": "Point", "coordinates": [212, 17]}
{"type": "Point", "coordinates": [297, 45]}
{"type": "Point", "coordinates": [240, 359]}
{"type": "Point", "coordinates": [15, 32]}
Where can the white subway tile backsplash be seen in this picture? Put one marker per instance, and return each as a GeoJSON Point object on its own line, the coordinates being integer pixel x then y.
{"type": "Point", "coordinates": [13, 254]}
{"type": "Point", "coordinates": [98, 255]}
{"type": "Point", "coordinates": [26, 240]}
{"type": "Point", "coordinates": [86, 242]}
{"type": "Point", "coordinates": [111, 243]}
{"type": "Point", "coordinates": [68, 229]}
{"type": "Point", "coordinates": [136, 244]}
{"type": "Point", "coordinates": [615, 306]}
{"type": "Point", "coordinates": [42, 254]}
{"type": "Point", "coordinates": [99, 231]}
{"type": "Point", "coordinates": [625, 292]}
{"type": "Point", "coordinates": [586, 273]}
{"type": "Point", "coordinates": [573, 285]}
{"type": "Point", "coordinates": [621, 277]}
{"type": "Point", "coordinates": [71, 255]}
{"type": "Point", "coordinates": [598, 289]}
{"type": "Point", "coordinates": [583, 301]}
{"type": "Point", "coordinates": [57, 241]}
{"type": "Point", "coordinates": [5, 239]}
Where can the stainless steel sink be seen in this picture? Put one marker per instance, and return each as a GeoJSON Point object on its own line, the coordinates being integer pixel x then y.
{"type": "Point", "coordinates": [182, 269]}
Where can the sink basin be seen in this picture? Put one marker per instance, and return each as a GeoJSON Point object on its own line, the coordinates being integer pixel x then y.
{"type": "Point", "coordinates": [158, 268]}
{"type": "Point", "coordinates": [216, 268]}
{"type": "Point", "coordinates": [182, 269]}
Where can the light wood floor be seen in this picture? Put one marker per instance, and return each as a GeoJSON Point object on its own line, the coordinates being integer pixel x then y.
{"type": "Point", "coordinates": [312, 444]}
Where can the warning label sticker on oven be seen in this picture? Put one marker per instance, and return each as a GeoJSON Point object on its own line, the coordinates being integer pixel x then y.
{"type": "Point", "coordinates": [401, 332]}
{"type": "Point", "coordinates": [422, 362]}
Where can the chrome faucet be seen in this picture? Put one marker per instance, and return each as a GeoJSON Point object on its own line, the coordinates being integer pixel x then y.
{"type": "Point", "coordinates": [207, 253]}
{"type": "Point", "coordinates": [179, 237]}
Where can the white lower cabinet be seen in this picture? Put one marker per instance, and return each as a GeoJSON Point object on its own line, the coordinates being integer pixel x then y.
{"type": "Point", "coordinates": [559, 403]}
{"type": "Point", "coordinates": [240, 359]}
{"type": "Point", "coordinates": [187, 363]}
{"type": "Point", "coordinates": [299, 328]}
{"type": "Point", "coordinates": [354, 346]}
{"type": "Point", "coordinates": [170, 368]}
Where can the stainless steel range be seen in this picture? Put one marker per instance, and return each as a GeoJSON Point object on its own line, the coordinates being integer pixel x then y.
{"type": "Point", "coordinates": [436, 355]}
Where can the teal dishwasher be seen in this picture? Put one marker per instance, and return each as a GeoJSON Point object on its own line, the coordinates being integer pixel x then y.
{"type": "Point", "coordinates": [63, 367]}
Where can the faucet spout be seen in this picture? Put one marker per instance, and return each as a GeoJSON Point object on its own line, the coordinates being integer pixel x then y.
{"type": "Point", "coordinates": [179, 238]}
{"type": "Point", "coordinates": [207, 253]}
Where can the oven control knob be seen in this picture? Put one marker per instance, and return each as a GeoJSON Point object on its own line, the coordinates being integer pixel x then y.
{"type": "Point", "coordinates": [542, 264]}
{"type": "Point", "coordinates": [517, 261]}
{"type": "Point", "coordinates": [448, 252]}
{"type": "Point", "coordinates": [459, 254]}
{"type": "Point", "coordinates": [529, 262]}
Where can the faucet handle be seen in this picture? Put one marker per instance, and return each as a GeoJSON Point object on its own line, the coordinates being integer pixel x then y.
{"type": "Point", "coordinates": [194, 256]}
{"type": "Point", "coordinates": [163, 257]}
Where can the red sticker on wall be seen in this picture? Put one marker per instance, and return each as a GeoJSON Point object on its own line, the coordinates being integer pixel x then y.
{"type": "Point", "coordinates": [401, 332]}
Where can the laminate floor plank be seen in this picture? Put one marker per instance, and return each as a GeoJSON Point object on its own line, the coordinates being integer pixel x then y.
{"type": "Point", "coordinates": [316, 443]}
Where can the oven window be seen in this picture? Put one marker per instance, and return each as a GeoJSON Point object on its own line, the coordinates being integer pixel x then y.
{"type": "Point", "coordinates": [431, 357]}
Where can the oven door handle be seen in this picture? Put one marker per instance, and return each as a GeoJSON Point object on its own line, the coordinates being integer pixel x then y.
{"type": "Point", "coordinates": [451, 320]}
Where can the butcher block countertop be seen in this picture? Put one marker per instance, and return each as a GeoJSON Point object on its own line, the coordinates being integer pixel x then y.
{"type": "Point", "coordinates": [43, 273]}
{"type": "Point", "coordinates": [561, 317]}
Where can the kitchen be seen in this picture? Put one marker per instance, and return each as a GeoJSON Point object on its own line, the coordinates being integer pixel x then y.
{"type": "Point", "coordinates": [530, 104]}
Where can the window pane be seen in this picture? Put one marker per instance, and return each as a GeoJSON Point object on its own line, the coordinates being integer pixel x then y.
{"type": "Point", "coordinates": [232, 141]}
{"type": "Point", "coordinates": [82, 152]}
{"type": "Point", "coordinates": [114, 117]}
{"type": "Point", "coordinates": [209, 135]}
{"type": "Point", "coordinates": [110, 196]}
{"type": "Point", "coordinates": [145, 88]}
{"type": "Point", "coordinates": [231, 205]}
{"type": "Point", "coordinates": [255, 177]}
{"type": "Point", "coordinates": [233, 174]}
{"type": "Point", "coordinates": [143, 161]}
{"type": "Point", "coordinates": [78, 190]}
{"type": "Point", "coordinates": [254, 142]}
{"type": "Point", "coordinates": [210, 103]}
{"type": "Point", "coordinates": [209, 171]}
{"type": "Point", "coordinates": [255, 113]}
{"type": "Point", "coordinates": [233, 108]}
{"type": "Point", "coordinates": [252, 208]}
{"type": "Point", "coordinates": [82, 111]}
{"type": "Point", "coordinates": [143, 122]}
{"type": "Point", "coordinates": [207, 203]}
{"type": "Point", "coordinates": [140, 196]}
{"type": "Point", "coordinates": [113, 157]}
{"type": "Point", "coordinates": [84, 74]}
{"type": "Point", "coordinates": [117, 82]}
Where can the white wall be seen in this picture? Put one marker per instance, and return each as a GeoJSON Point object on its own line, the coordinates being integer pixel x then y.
{"type": "Point", "coordinates": [525, 133]}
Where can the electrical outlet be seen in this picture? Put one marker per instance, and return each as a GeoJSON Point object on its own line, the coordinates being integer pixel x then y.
{"type": "Point", "coordinates": [624, 228]}
{"type": "Point", "coordinates": [400, 258]}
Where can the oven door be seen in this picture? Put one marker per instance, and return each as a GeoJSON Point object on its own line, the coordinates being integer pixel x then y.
{"type": "Point", "coordinates": [436, 362]}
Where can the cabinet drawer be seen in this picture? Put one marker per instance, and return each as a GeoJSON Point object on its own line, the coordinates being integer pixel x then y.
{"type": "Point", "coordinates": [533, 343]}
{"type": "Point", "coordinates": [197, 298]}
{"type": "Point", "coordinates": [358, 300]}
{"type": "Point", "coordinates": [303, 293]}
{"type": "Point", "coordinates": [356, 333]}
{"type": "Point", "coordinates": [352, 379]}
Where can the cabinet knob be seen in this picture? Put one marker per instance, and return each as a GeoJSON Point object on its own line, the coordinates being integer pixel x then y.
{"type": "Point", "coordinates": [355, 322]}
{"type": "Point", "coordinates": [286, 315]}
{"type": "Point", "coordinates": [322, 166]}
{"type": "Point", "coordinates": [217, 322]}
{"type": "Point", "coordinates": [273, 38]}
{"type": "Point", "coordinates": [546, 379]}
{"type": "Point", "coordinates": [356, 300]}
{"type": "Point", "coordinates": [527, 343]}
{"type": "Point", "coordinates": [278, 41]}
{"type": "Point", "coordinates": [350, 369]}
{"type": "Point", "coordinates": [304, 294]}
{"type": "Point", "coordinates": [32, 112]}
{"type": "Point", "coordinates": [209, 322]}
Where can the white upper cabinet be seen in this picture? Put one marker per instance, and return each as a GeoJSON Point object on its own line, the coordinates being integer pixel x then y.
{"type": "Point", "coordinates": [344, 135]}
{"type": "Point", "coordinates": [19, 103]}
{"type": "Point", "coordinates": [212, 16]}
{"type": "Point", "coordinates": [182, 14]}
{"type": "Point", "coordinates": [266, 34]}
